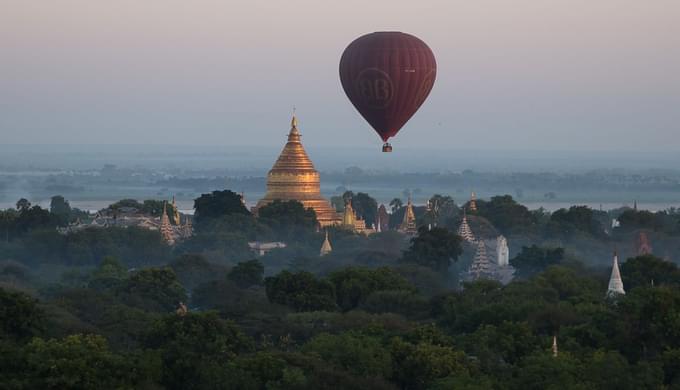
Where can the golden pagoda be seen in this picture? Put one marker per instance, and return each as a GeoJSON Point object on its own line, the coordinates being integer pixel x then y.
{"type": "Point", "coordinates": [351, 222]}
{"type": "Point", "coordinates": [349, 218]}
{"type": "Point", "coordinates": [293, 177]}
{"type": "Point", "coordinates": [408, 225]}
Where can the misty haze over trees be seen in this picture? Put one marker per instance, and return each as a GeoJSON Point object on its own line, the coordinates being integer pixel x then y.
{"type": "Point", "coordinates": [118, 306]}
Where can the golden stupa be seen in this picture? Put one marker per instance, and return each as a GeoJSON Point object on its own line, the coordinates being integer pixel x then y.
{"type": "Point", "coordinates": [293, 177]}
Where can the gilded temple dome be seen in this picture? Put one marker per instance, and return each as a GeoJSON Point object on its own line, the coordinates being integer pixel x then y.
{"type": "Point", "coordinates": [293, 177]}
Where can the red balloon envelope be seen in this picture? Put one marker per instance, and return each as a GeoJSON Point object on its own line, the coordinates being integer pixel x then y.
{"type": "Point", "coordinates": [387, 76]}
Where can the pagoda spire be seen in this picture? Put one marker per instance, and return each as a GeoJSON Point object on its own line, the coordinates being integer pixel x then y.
{"type": "Point", "coordinates": [175, 211]}
{"type": "Point", "coordinates": [481, 266]}
{"type": "Point", "coordinates": [326, 246]}
{"type": "Point", "coordinates": [464, 230]}
{"type": "Point", "coordinates": [615, 282]}
{"type": "Point", "coordinates": [408, 225]}
{"type": "Point", "coordinates": [166, 230]}
{"type": "Point", "coordinates": [554, 346]}
{"type": "Point", "coordinates": [473, 202]}
{"type": "Point", "coordinates": [294, 134]}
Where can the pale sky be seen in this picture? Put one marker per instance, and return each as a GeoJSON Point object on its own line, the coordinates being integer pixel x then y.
{"type": "Point", "coordinates": [521, 74]}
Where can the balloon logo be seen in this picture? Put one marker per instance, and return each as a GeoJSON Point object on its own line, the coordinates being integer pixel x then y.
{"type": "Point", "coordinates": [375, 88]}
{"type": "Point", "coordinates": [387, 76]}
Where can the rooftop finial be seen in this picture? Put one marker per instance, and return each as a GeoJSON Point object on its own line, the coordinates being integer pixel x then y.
{"type": "Point", "coordinates": [294, 134]}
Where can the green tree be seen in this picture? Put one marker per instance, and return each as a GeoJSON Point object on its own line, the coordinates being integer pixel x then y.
{"type": "Point", "coordinates": [648, 322]}
{"type": "Point", "coordinates": [20, 317]}
{"type": "Point", "coordinates": [195, 348]}
{"type": "Point", "coordinates": [506, 214]}
{"type": "Point", "coordinates": [435, 249]}
{"type": "Point", "coordinates": [81, 362]}
{"type": "Point", "coordinates": [23, 204]}
{"type": "Point", "coordinates": [441, 209]}
{"type": "Point", "coordinates": [532, 260]}
{"type": "Point", "coordinates": [301, 291]}
{"type": "Point", "coordinates": [542, 371]}
{"type": "Point", "coordinates": [61, 208]}
{"type": "Point", "coordinates": [416, 366]}
{"type": "Point", "coordinates": [109, 275]}
{"type": "Point", "coordinates": [360, 354]}
{"type": "Point", "coordinates": [193, 270]}
{"type": "Point", "coordinates": [247, 273]}
{"type": "Point", "coordinates": [642, 219]}
{"type": "Point", "coordinates": [155, 289]}
{"type": "Point", "coordinates": [576, 218]}
{"type": "Point", "coordinates": [34, 218]}
{"type": "Point", "coordinates": [353, 285]}
{"type": "Point", "coordinates": [649, 270]}
{"type": "Point", "coordinates": [218, 204]}
{"type": "Point", "coordinates": [396, 204]}
{"type": "Point", "coordinates": [288, 216]}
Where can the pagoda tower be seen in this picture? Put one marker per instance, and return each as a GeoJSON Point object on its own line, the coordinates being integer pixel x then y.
{"type": "Point", "coordinates": [293, 177]}
{"type": "Point", "coordinates": [383, 219]}
{"type": "Point", "coordinates": [325, 247]}
{"type": "Point", "coordinates": [481, 266]}
{"type": "Point", "coordinates": [472, 205]}
{"type": "Point", "coordinates": [502, 252]}
{"type": "Point", "coordinates": [615, 282]}
{"type": "Point", "coordinates": [348, 216]}
{"type": "Point", "coordinates": [167, 234]}
{"type": "Point", "coordinates": [351, 222]}
{"type": "Point", "coordinates": [465, 231]}
{"type": "Point", "coordinates": [175, 211]}
{"type": "Point", "coordinates": [408, 225]}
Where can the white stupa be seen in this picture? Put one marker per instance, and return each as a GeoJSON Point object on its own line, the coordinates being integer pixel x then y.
{"type": "Point", "coordinates": [502, 252]}
{"type": "Point", "coordinates": [615, 282]}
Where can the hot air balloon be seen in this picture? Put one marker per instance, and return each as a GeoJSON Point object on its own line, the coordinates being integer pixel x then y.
{"type": "Point", "coordinates": [387, 77]}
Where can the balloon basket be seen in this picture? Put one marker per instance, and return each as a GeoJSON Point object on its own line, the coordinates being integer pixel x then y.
{"type": "Point", "coordinates": [387, 148]}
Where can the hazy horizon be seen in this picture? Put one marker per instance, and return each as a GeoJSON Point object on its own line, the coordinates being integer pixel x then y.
{"type": "Point", "coordinates": [526, 75]}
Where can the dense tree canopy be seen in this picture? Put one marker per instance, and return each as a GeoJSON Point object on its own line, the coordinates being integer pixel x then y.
{"type": "Point", "coordinates": [533, 259]}
{"type": "Point", "coordinates": [576, 218]}
{"type": "Point", "coordinates": [101, 307]}
{"type": "Point", "coordinates": [435, 248]}
{"type": "Point", "coordinates": [288, 216]}
{"type": "Point", "coordinates": [301, 291]}
{"type": "Point", "coordinates": [218, 204]}
{"type": "Point", "coordinates": [247, 273]}
{"type": "Point", "coordinates": [506, 214]}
